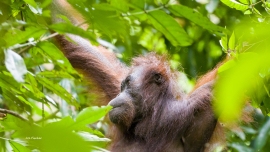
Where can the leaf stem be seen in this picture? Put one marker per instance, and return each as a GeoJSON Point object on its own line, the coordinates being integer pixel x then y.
{"type": "Point", "coordinates": [142, 12]}
{"type": "Point", "coordinates": [50, 116]}
{"type": "Point", "coordinates": [32, 43]}
{"type": "Point", "coordinates": [256, 3]}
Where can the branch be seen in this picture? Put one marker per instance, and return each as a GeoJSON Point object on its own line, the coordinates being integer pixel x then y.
{"type": "Point", "coordinates": [14, 114]}
{"type": "Point", "coordinates": [43, 39]}
{"type": "Point", "coordinates": [50, 116]}
{"type": "Point", "coordinates": [256, 3]}
{"type": "Point", "coordinates": [142, 12]}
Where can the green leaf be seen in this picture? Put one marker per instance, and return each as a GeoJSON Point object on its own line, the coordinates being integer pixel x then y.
{"type": "Point", "coordinates": [15, 65]}
{"type": "Point", "coordinates": [90, 115]}
{"type": "Point", "coordinates": [9, 82]}
{"type": "Point", "coordinates": [232, 42]}
{"type": "Point", "coordinates": [13, 123]}
{"type": "Point", "coordinates": [231, 86]}
{"type": "Point", "coordinates": [267, 4]}
{"type": "Point", "coordinates": [256, 11]}
{"type": "Point", "coordinates": [32, 80]}
{"type": "Point", "coordinates": [120, 4]}
{"type": "Point", "coordinates": [69, 28]}
{"type": "Point", "coordinates": [226, 66]}
{"type": "Point", "coordinates": [170, 28]}
{"type": "Point", "coordinates": [11, 96]}
{"type": "Point", "coordinates": [165, 1]}
{"type": "Point", "coordinates": [89, 137]}
{"type": "Point", "coordinates": [240, 147]}
{"type": "Point", "coordinates": [61, 74]}
{"type": "Point", "coordinates": [105, 7]}
{"type": "Point", "coordinates": [64, 123]}
{"type": "Point", "coordinates": [15, 36]}
{"type": "Point", "coordinates": [64, 18]}
{"type": "Point", "coordinates": [45, 3]}
{"type": "Point", "coordinates": [90, 130]}
{"type": "Point", "coordinates": [194, 16]}
{"type": "Point", "coordinates": [235, 4]}
{"type": "Point", "coordinates": [50, 50]}
{"type": "Point", "coordinates": [138, 4]}
{"type": "Point", "coordinates": [18, 147]}
{"type": "Point", "coordinates": [57, 89]}
{"type": "Point", "coordinates": [24, 101]}
{"type": "Point", "coordinates": [99, 19]}
{"type": "Point", "coordinates": [263, 135]}
{"type": "Point", "coordinates": [224, 42]}
{"type": "Point", "coordinates": [247, 12]}
{"type": "Point", "coordinates": [68, 121]}
{"type": "Point", "coordinates": [152, 41]}
{"type": "Point", "coordinates": [249, 130]}
{"type": "Point", "coordinates": [53, 137]}
{"type": "Point", "coordinates": [31, 2]}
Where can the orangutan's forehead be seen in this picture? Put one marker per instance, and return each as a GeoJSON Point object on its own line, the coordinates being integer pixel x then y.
{"type": "Point", "coordinates": [137, 71]}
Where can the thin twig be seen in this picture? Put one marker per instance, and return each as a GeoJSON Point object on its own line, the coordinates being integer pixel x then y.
{"type": "Point", "coordinates": [82, 23]}
{"type": "Point", "coordinates": [13, 113]}
{"type": "Point", "coordinates": [43, 114]}
{"type": "Point", "coordinates": [43, 39]}
{"type": "Point", "coordinates": [142, 12]}
{"type": "Point", "coordinates": [50, 36]}
{"type": "Point", "coordinates": [50, 116]}
{"type": "Point", "coordinates": [256, 3]}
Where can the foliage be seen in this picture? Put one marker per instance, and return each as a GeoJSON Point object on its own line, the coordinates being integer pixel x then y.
{"type": "Point", "coordinates": [38, 82]}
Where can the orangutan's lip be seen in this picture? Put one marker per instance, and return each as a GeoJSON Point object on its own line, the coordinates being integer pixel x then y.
{"type": "Point", "coordinates": [115, 107]}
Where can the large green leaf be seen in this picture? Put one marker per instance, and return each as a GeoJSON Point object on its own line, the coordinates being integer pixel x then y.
{"type": "Point", "coordinates": [53, 138]}
{"type": "Point", "coordinates": [170, 28]}
{"type": "Point", "coordinates": [68, 121]}
{"type": "Point", "coordinates": [235, 4]}
{"type": "Point", "coordinates": [90, 115]}
{"type": "Point", "coordinates": [17, 147]}
{"type": "Point", "coordinates": [234, 83]}
{"type": "Point", "coordinates": [228, 65]}
{"type": "Point", "coordinates": [57, 89]}
{"type": "Point", "coordinates": [194, 16]}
